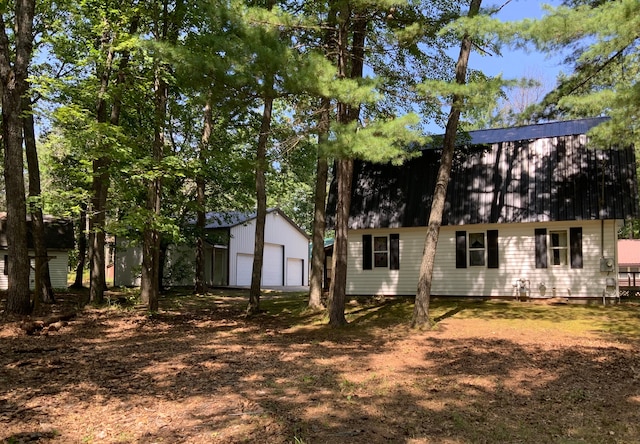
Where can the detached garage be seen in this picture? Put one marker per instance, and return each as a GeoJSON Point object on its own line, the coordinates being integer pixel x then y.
{"type": "Point", "coordinates": [286, 250]}
{"type": "Point", "coordinates": [228, 254]}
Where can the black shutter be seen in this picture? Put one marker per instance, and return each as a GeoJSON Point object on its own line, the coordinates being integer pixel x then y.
{"type": "Point", "coordinates": [461, 249]}
{"type": "Point", "coordinates": [6, 264]}
{"type": "Point", "coordinates": [367, 252]}
{"type": "Point", "coordinates": [541, 248]}
{"type": "Point", "coordinates": [394, 251]}
{"type": "Point", "coordinates": [492, 248]}
{"type": "Point", "coordinates": [575, 246]}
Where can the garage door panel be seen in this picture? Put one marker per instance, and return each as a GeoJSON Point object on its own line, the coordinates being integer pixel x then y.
{"type": "Point", "coordinates": [295, 271]}
{"type": "Point", "coordinates": [272, 268]}
{"type": "Point", "coordinates": [244, 269]}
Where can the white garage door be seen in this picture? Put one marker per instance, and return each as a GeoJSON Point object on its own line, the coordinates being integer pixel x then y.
{"type": "Point", "coordinates": [294, 271]}
{"type": "Point", "coordinates": [273, 266]}
{"type": "Point", "coordinates": [244, 268]}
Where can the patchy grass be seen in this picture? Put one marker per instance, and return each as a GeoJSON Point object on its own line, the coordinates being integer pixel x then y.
{"type": "Point", "coordinates": [200, 371]}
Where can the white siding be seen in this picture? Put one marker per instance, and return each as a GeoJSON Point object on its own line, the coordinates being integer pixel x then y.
{"type": "Point", "coordinates": [516, 261]}
{"type": "Point", "coordinates": [278, 232]}
{"type": "Point", "coordinates": [58, 266]}
{"type": "Point", "coordinates": [127, 264]}
{"type": "Point", "coordinates": [241, 243]}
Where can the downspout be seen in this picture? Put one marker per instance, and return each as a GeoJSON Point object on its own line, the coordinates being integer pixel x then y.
{"type": "Point", "coordinates": [601, 211]}
{"type": "Point", "coordinates": [115, 252]}
{"type": "Point", "coordinates": [616, 270]}
{"type": "Point", "coordinates": [601, 214]}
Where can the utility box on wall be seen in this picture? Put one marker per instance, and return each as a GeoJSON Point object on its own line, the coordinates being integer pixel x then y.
{"type": "Point", "coordinates": [607, 264]}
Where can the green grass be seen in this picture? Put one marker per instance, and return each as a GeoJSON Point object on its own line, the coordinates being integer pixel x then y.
{"type": "Point", "coordinates": [621, 320]}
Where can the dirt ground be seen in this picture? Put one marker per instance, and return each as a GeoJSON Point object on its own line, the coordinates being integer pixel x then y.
{"type": "Point", "coordinates": [200, 372]}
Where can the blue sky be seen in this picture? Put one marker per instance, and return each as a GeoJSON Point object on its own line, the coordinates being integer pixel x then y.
{"type": "Point", "coordinates": [513, 64]}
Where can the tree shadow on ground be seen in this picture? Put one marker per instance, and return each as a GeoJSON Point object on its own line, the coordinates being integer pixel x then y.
{"type": "Point", "coordinates": [216, 376]}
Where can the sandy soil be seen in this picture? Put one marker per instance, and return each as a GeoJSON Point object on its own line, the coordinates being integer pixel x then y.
{"type": "Point", "coordinates": [206, 374]}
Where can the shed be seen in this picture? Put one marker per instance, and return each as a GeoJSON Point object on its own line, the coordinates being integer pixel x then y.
{"type": "Point", "coordinates": [59, 240]}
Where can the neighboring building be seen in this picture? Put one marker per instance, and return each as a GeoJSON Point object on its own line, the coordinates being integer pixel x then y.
{"type": "Point", "coordinates": [531, 211]}
{"type": "Point", "coordinates": [629, 266]}
{"type": "Point", "coordinates": [229, 254]}
{"type": "Point", "coordinates": [59, 240]}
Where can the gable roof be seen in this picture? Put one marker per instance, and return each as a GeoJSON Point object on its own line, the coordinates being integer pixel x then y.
{"type": "Point", "coordinates": [232, 219]}
{"type": "Point", "coordinates": [532, 173]}
{"type": "Point", "coordinates": [629, 252]}
{"type": "Point", "coordinates": [58, 233]}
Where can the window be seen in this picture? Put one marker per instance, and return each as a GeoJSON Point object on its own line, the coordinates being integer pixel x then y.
{"type": "Point", "coordinates": [381, 252]}
{"type": "Point", "coordinates": [6, 265]}
{"type": "Point", "coordinates": [559, 248]}
{"type": "Point", "coordinates": [482, 249]}
{"type": "Point", "coordinates": [476, 249]}
{"type": "Point", "coordinates": [563, 249]}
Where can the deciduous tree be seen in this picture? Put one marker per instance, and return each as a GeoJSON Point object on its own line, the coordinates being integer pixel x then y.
{"type": "Point", "coordinates": [16, 44]}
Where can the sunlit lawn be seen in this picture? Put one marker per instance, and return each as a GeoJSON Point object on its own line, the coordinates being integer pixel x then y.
{"type": "Point", "coordinates": [364, 312]}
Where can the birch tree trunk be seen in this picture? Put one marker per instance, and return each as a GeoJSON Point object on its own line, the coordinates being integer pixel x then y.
{"type": "Point", "coordinates": [423, 294]}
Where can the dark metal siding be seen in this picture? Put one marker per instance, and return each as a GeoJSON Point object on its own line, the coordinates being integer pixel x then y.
{"type": "Point", "coordinates": [512, 181]}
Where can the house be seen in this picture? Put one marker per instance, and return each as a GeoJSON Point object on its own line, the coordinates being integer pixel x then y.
{"type": "Point", "coordinates": [532, 211]}
{"type": "Point", "coordinates": [629, 266]}
{"type": "Point", "coordinates": [229, 254]}
{"type": "Point", "coordinates": [59, 240]}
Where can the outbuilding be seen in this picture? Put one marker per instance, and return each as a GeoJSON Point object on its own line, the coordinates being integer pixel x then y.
{"type": "Point", "coordinates": [230, 242]}
{"type": "Point", "coordinates": [59, 240]}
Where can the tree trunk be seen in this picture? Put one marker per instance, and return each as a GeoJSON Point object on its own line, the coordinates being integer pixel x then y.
{"type": "Point", "coordinates": [45, 292]}
{"type": "Point", "coordinates": [319, 214]}
{"type": "Point", "coordinates": [99, 190]}
{"type": "Point", "coordinates": [423, 293]}
{"type": "Point", "coordinates": [81, 239]}
{"type": "Point", "coordinates": [344, 174]}
{"type": "Point", "coordinates": [13, 78]}
{"type": "Point", "coordinates": [97, 220]}
{"type": "Point", "coordinates": [162, 260]}
{"type": "Point", "coordinates": [166, 31]}
{"type": "Point", "coordinates": [201, 286]}
{"type": "Point", "coordinates": [101, 165]}
{"type": "Point", "coordinates": [261, 196]}
{"type": "Point", "coordinates": [338, 287]}
{"type": "Point", "coordinates": [149, 286]}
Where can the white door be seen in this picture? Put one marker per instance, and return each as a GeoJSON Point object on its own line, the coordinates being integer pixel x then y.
{"type": "Point", "coordinates": [244, 267]}
{"type": "Point", "coordinates": [294, 271]}
{"type": "Point", "coordinates": [273, 265]}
